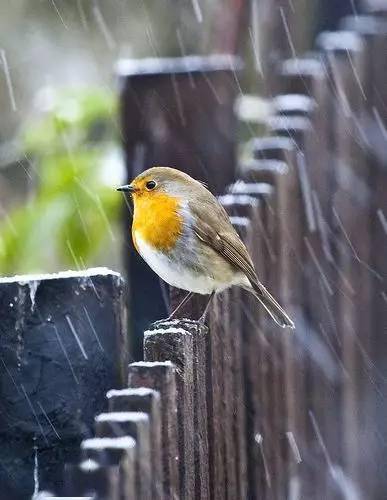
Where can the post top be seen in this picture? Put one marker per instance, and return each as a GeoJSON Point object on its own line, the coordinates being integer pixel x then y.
{"type": "Point", "coordinates": [340, 41]}
{"type": "Point", "coordinates": [25, 279]}
{"type": "Point", "coordinates": [302, 66]}
{"type": "Point", "coordinates": [108, 442]}
{"type": "Point", "coordinates": [230, 199]}
{"type": "Point", "coordinates": [122, 416]}
{"type": "Point", "coordinates": [251, 188]}
{"type": "Point", "coordinates": [301, 103]}
{"type": "Point", "coordinates": [257, 164]}
{"type": "Point", "coordinates": [268, 143]}
{"type": "Point", "coordinates": [132, 391]}
{"type": "Point", "coordinates": [289, 124]}
{"type": "Point", "coordinates": [177, 65]}
{"type": "Point", "coordinates": [365, 24]}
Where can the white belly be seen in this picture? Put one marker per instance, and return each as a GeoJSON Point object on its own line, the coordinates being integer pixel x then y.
{"type": "Point", "coordinates": [173, 272]}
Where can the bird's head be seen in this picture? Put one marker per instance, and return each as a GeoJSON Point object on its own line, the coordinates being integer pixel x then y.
{"type": "Point", "coordinates": [161, 181]}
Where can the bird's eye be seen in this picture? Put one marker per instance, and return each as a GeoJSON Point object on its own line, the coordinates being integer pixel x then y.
{"type": "Point", "coordinates": [150, 185]}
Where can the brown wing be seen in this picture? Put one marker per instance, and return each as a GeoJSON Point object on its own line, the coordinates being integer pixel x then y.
{"type": "Point", "coordinates": [224, 239]}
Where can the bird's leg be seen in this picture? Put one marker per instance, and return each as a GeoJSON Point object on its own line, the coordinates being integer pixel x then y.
{"type": "Point", "coordinates": [202, 318]}
{"type": "Point", "coordinates": [179, 306]}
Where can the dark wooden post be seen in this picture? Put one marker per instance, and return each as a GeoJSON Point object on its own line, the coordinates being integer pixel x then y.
{"type": "Point", "coordinates": [160, 376]}
{"type": "Point", "coordinates": [351, 221]}
{"type": "Point", "coordinates": [280, 35]}
{"type": "Point", "coordinates": [257, 353]}
{"type": "Point", "coordinates": [61, 334]}
{"type": "Point", "coordinates": [285, 282]}
{"type": "Point", "coordinates": [378, 242]}
{"type": "Point", "coordinates": [176, 344]}
{"type": "Point", "coordinates": [222, 446]}
{"type": "Point", "coordinates": [300, 129]}
{"type": "Point", "coordinates": [91, 477]}
{"type": "Point", "coordinates": [177, 113]}
{"type": "Point", "coordinates": [371, 342]}
{"type": "Point", "coordinates": [144, 400]}
{"type": "Point", "coordinates": [242, 211]}
{"type": "Point", "coordinates": [122, 452]}
{"type": "Point", "coordinates": [200, 339]}
{"type": "Point", "coordinates": [215, 405]}
{"type": "Point", "coordinates": [310, 77]}
{"type": "Point", "coordinates": [135, 425]}
{"type": "Point", "coordinates": [290, 225]}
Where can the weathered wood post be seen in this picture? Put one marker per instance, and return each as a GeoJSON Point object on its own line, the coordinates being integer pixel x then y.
{"type": "Point", "coordinates": [89, 477]}
{"type": "Point", "coordinates": [282, 280]}
{"type": "Point", "coordinates": [242, 209]}
{"type": "Point", "coordinates": [344, 57]}
{"type": "Point", "coordinates": [309, 76]}
{"type": "Point", "coordinates": [300, 130]}
{"type": "Point", "coordinates": [161, 376]}
{"type": "Point", "coordinates": [258, 357]}
{"type": "Point", "coordinates": [290, 224]}
{"type": "Point", "coordinates": [373, 31]}
{"type": "Point", "coordinates": [136, 426]}
{"type": "Point", "coordinates": [200, 339]}
{"type": "Point", "coordinates": [166, 343]}
{"type": "Point", "coordinates": [147, 401]}
{"type": "Point", "coordinates": [63, 346]}
{"type": "Point", "coordinates": [177, 113]}
{"type": "Point", "coordinates": [107, 452]}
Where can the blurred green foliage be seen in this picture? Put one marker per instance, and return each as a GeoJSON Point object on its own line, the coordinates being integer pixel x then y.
{"type": "Point", "coordinates": [72, 210]}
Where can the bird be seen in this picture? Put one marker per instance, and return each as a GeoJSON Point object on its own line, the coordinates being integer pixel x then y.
{"type": "Point", "coordinates": [184, 234]}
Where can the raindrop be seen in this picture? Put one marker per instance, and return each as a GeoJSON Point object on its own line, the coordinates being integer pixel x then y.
{"type": "Point", "coordinates": [287, 30]}
{"type": "Point", "coordinates": [198, 11]}
{"type": "Point", "coordinates": [66, 354]}
{"type": "Point", "coordinates": [59, 14]}
{"type": "Point", "coordinates": [294, 447]}
{"type": "Point", "coordinates": [8, 79]}
{"type": "Point", "coordinates": [110, 42]}
{"type": "Point", "coordinates": [78, 340]}
{"type": "Point", "coordinates": [36, 473]}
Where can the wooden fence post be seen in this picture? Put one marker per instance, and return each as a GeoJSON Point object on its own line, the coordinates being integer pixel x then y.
{"type": "Point", "coordinates": [242, 211]}
{"type": "Point", "coordinates": [220, 372]}
{"type": "Point", "coordinates": [147, 401]}
{"type": "Point", "coordinates": [90, 476]}
{"type": "Point", "coordinates": [175, 344]}
{"type": "Point", "coordinates": [344, 56]}
{"type": "Point", "coordinates": [160, 376]}
{"type": "Point", "coordinates": [200, 339]}
{"type": "Point", "coordinates": [215, 406]}
{"type": "Point", "coordinates": [60, 333]}
{"type": "Point", "coordinates": [120, 452]}
{"type": "Point", "coordinates": [177, 113]}
{"type": "Point", "coordinates": [301, 131]}
{"type": "Point", "coordinates": [286, 284]}
{"type": "Point", "coordinates": [372, 319]}
{"type": "Point", "coordinates": [135, 425]}
{"type": "Point", "coordinates": [290, 215]}
{"type": "Point", "coordinates": [262, 453]}
{"type": "Point", "coordinates": [311, 76]}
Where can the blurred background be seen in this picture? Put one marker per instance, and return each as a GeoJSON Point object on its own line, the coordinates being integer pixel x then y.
{"type": "Point", "coordinates": [60, 152]}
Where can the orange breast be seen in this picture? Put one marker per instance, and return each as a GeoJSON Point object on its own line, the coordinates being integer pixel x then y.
{"type": "Point", "coordinates": [157, 220]}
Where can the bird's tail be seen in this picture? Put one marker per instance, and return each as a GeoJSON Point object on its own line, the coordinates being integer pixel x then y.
{"type": "Point", "coordinates": [272, 307]}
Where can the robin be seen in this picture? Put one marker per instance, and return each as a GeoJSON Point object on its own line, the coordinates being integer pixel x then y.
{"type": "Point", "coordinates": [184, 234]}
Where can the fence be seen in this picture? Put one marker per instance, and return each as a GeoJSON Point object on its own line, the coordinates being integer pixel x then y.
{"type": "Point", "coordinates": [243, 409]}
{"type": "Point", "coordinates": [263, 413]}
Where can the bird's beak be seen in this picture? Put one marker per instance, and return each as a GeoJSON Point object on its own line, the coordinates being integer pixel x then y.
{"type": "Point", "coordinates": [128, 188]}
